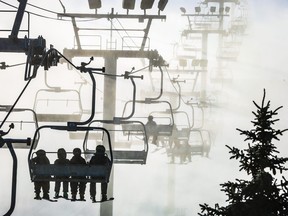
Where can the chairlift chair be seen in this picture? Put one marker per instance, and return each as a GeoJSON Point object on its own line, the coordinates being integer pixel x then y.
{"type": "Point", "coordinates": [93, 173]}
{"type": "Point", "coordinates": [165, 127]}
{"type": "Point", "coordinates": [178, 141]}
{"type": "Point", "coordinates": [164, 118]}
{"type": "Point", "coordinates": [25, 123]}
{"type": "Point", "coordinates": [182, 127]}
{"type": "Point", "coordinates": [52, 105]}
{"type": "Point", "coordinates": [199, 137]}
{"type": "Point", "coordinates": [129, 141]}
{"type": "Point", "coordinates": [200, 142]}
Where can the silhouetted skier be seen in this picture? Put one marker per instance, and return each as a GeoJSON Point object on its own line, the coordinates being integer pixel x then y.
{"type": "Point", "coordinates": [99, 158]}
{"type": "Point", "coordinates": [77, 159]}
{"type": "Point", "coordinates": [151, 129]}
{"type": "Point", "coordinates": [61, 161]}
{"type": "Point", "coordinates": [182, 150]}
{"type": "Point", "coordinates": [41, 159]}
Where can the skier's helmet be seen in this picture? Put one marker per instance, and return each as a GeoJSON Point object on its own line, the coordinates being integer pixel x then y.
{"type": "Point", "coordinates": [100, 149]}
{"type": "Point", "coordinates": [40, 153]}
{"type": "Point", "coordinates": [61, 153]}
{"type": "Point", "coordinates": [76, 151]}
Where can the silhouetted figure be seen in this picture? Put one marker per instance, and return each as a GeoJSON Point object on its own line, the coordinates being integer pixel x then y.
{"type": "Point", "coordinates": [41, 159]}
{"type": "Point", "coordinates": [99, 158]}
{"type": "Point", "coordinates": [188, 152]}
{"type": "Point", "coordinates": [77, 159]}
{"type": "Point", "coordinates": [61, 161]}
{"type": "Point", "coordinates": [183, 150]}
{"type": "Point", "coordinates": [173, 138]}
{"type": "Point", "coordinates": [151, 129]}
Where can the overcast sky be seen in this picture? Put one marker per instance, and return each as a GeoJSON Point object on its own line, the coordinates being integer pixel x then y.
{"type": "Point", "coordinates": [147, 190]}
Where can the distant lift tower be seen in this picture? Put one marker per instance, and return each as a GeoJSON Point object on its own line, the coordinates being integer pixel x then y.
{"type": "Point", "coordinates": [111, 54]}
{"type": "Point", "coordinates": [204, 28]}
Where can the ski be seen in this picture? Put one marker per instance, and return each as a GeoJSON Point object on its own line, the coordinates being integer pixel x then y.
{"type": "Point", "coordinates": [62, 197]}
{"type": "Point", "coordinates": [50, 200]}
{"type": "Point", "coordinates": [101, 201]}
{"type": "Point", "coordinates": [74, 200]}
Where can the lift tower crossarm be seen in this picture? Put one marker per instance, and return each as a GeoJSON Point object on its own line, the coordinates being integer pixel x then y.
{"type": "Point", "coordinates": [150, 54]}
{"type": "Point", "coordinates": [111, 16]}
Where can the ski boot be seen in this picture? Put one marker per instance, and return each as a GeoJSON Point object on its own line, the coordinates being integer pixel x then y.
{"type": "Point", "coordinates": [37, 196]}
{"type": "Point", "coordinates": [73, 197]}
{"type": "Point", "coordinates": [82, 198]}
{"type": "Point", "coordinates": [65, 195]}
{"type": "Point", "coordinates": [46, 196]}
{"type": "Point", "coordinates": [93, 199]}
{"type": "Point", "coordinates": [104, 197]}
{"type": "Point", "coordinates": [56, 195]}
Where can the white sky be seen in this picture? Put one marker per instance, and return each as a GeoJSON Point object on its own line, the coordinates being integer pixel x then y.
{"type": "Point", "coordinates": [148, 190]}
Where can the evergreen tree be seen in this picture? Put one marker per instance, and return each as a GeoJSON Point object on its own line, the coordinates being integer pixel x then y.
{"type": "Point", "coordinates": [263, 195]}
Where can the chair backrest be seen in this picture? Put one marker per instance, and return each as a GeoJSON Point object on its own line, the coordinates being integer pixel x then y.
{"type": "Point", "coordinates": [52, 172]}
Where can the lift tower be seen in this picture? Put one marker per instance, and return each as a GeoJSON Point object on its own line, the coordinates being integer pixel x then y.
{"type": "Point", "coordinates": [206, 26]}
{"type": "Point", "coordinates": [111, 55]}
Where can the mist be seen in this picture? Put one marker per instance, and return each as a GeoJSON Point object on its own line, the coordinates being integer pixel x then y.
{"type": "Point", "coordinates": [158, 187]}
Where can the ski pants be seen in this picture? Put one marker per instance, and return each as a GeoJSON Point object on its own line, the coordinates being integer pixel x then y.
{"type": "Point", "coordinates": [45, 185]}
{"type": "Point", "coordinates": [93, 188]}
{"type": "Point", "coordinates": [58, 186]}
{"type": "Point", "coordinates": [75, 185]}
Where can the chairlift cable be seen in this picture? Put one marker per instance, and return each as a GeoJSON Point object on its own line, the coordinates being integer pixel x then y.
{"type": "Point", "coordinates": [126, 32]}
{"type": "Point", "coordinates": [50, 11]}
{"type": "Point", "coordinates": [117, 31]}
{"type": "Point", "coordinates": [32, 5]}
{"type": "Point", "coordinates": [29, 11]}
{"type": "Point", "coordinates": [120, 35]}
{"type": "Point", "coordinates": [139, 69]}
{"type": "Point", "coordinates": [32, 13]}
{"type": "Point", "coordinates": [12, 107]}
{"type": "Point", "coordinates": [8, 4]}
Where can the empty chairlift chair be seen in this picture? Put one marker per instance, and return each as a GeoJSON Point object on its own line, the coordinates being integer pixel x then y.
{"type": "Point", "coordinates": [58, 105]}
{"type": "Point", "coordinates": [25, 123]}
{"type": "Point", "coordinates": [199, 138]}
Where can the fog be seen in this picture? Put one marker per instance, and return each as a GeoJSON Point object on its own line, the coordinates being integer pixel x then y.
{"type": "Point", "coordinates": [158, 187]}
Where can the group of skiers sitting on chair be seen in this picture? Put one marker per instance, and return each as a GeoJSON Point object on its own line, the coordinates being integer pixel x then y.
{"type": "Point", "coordinates": [99, 158]}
